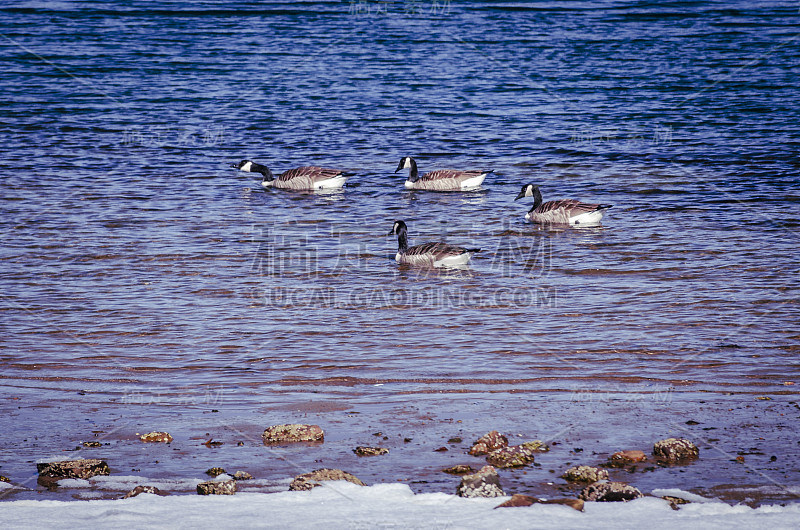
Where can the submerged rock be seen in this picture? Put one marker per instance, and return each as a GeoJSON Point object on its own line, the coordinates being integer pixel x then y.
{"type": "Point", "coordinates": [293, 432]}
{"type": "Point", "coordinates": [144, 489]}
{"type": "Point", "coordinates": [622, 458]}
{"type": "Point", "coordinates": [515, 456]}
{"type": "Point", "coordinates": [370, 451]}
{"type": "Point", "coordinates": [585, 474]}
{"type": "Point", "coordinates": [156, 436]}
{"type": "Point", "coordinates": [487, 443]}
{"type": "Point", "coordinates": [484, 483]}
{"type": "Point", "coordinates": [91, 444]}
{"type": "Point", "coordinates": [518, 500]}
{"type": "Point", "coordinates": [610, 492]}
{"type": "Point", "coordinates": [306, 481]}
{"type": "Point", "coordinates": [459, 469]}
{"type": "Point", "coordinates": [83, 468]}
{"type": "Point", "coordinates": [675, 450]}
{"type": "Point", "coordinates": [215, 487]}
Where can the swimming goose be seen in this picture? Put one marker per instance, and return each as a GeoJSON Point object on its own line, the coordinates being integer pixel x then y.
{"type": "Point", "coordinates": [562, 211]}
{"type": "Point", "coordinates": [436, 254]}
{"type": "Point", "coordinates": [300, 178]}
{"type": "Point", "coordinates": [441, 179]}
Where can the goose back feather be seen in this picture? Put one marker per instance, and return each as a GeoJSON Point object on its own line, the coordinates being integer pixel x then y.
{"type": "Point", "coordinates": [561, 211]}
{"type": "Point", "coordinates": [441, 179]}
{"type": "Point", "coordinates": [433, 254]}
{"type": "Point", "coordinates": [300, 178]}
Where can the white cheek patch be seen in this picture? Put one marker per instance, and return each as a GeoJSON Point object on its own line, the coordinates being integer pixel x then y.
{"type": "Point", "coordinates": [407, 164]}
{"type": "Point", "coordinates": [247, 167]}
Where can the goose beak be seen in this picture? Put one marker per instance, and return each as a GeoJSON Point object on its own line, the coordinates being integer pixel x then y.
{"type": "Point", "coordinates": [399, 166]}
{"type": "Point", "coordinates": [521, 195]}
{"type": "Point", "coordinates": [235, 166]}
{"type": "Point", "coordinates": [391, 232]}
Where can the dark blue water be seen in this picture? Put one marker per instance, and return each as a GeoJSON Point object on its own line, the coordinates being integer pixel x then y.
{"type": "Point", "coordinates": [145, 283]}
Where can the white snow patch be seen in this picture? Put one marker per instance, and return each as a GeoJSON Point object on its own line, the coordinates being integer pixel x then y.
{"type": "Point", "coordinates": [675, 492]}
{"type": "Point", "coordinates": [345, 505]}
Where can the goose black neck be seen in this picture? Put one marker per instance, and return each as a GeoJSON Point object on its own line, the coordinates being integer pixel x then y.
{"type": "Point", "coordinates": [413, 174]}
{"type": "Point", "coordinates": [264, 170]}
{"type": "Point", "coordinates": [402, 240]}
{"type": "Point", "coordinates": [537, 199]}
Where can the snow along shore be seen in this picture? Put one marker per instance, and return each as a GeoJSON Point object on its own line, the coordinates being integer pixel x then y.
{"type": "Point", "coordinates": [345, 505]}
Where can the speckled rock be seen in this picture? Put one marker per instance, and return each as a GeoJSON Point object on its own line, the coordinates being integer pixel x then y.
{"type": "Point", "coordinates": [484, 483]}
{"type": "Point", "coordinates": [5, 479]}
{"type": "Point", "coordinates": [293, 432]}
{"type": "Point", "coordinates": [487, 443]}
{"type": "Point", "coordinates": [585, 474]}
{"type": "Point", "coordinates": [623, 458]}
{"type": "Point", "coordinates": [306, 481]}
{"type": "Point", "coordinates": [156, 436]}
{"type": "Point", "coordinates": [675, 450]}
{"type": "Point", "coordinates": [83, 468]}
{"type": "Point", "coordinates": [91, 444]}
{"type": "Point", "coordinates": [609, 492]}
{"type": "Point", "coordinates": [370, 451]}
{"type": "Point", "coordinates": [242, 475]}
{"type": "Point", "coordinates": [217, 487]}
{"type": "Point", "coordinates": [144, 489]}
{"type": "Point", "coordinates": [215, 471]}
{"type": "Point", "coordinates": [459, 469]}
{"type": "Point", "coordinates": [515, 456]}
{"type": "Point", "coordinates": [536, 445]}
{"type": "Point", "coordinates": [518, 500]}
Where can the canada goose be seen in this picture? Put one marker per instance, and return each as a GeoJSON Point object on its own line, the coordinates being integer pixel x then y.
{"type": "Point", "coordinates": [300, 178]}
{"type": "Point", "coordinates": [441, 179]}
{"type": "Point", "coordinates": [562, 211]}
{"type": "Point", "coordinates": [435, 254]}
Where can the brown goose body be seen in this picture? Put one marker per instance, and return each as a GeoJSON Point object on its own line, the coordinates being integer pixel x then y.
{"type": "Point", "coordinates": [561, 211]}
{"type": "Point", "coordinates": [441, 179]}
{"type": "Point", "coordinates": [300, 178]}
{"type": "Point", "coordinates": [434, 254]}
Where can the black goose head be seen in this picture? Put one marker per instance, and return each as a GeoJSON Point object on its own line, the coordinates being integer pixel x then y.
{"type": "Point", "coordinates": [528, 190]}
{"type": "Point", "coordinates": [242, 164]}
{"type": "Point", "coordinates": [531, 190]}
{"type": "Point", "coordinates": [398, 228]}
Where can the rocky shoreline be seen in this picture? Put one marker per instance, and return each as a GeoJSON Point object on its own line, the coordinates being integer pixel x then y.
{"type": "Point", "coordinates": [491, 453]}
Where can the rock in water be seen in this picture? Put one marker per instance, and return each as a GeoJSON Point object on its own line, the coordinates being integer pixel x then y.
{"type": "Point", "coordinates": [459, 469]}
{"type": "Point", "coordinates": [242, 475]}
{"type": "Point", "coordinates": [585, 474]}
{"type": "Point", "coordinates": [84, 468]}
{"type": "Point", "coordinates": [214, 487]}
{"type": "Point", "coordinates": [156, 436]}
{"type": "Point", "coordinates": [487, 443]}
{"type": "Point", "coordinates": [306, 481]}
{"type": "Point", "coordinates": [370, 451]}
{"type": "Point", "coordinates": [484, 483]}
{"type": "Point", "coordinates": [293, 432]}
{"type": "Point", "coordinates": [215, 471]}
{"type": "Point", "coordinates": [610, 492]}
{"type": "Point", "coordinates": [515, 456]}
{"type": "Point", "coordinates": [622, 458]}
{"type": "Point", "coordinates": [536, 445]}
{"type": "Point", "coordinates": [675, 450]}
